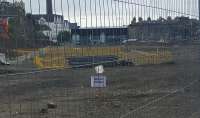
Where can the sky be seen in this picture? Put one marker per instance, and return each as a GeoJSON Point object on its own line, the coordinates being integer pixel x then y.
{"type": "Point", "coordinates": [92, 13]}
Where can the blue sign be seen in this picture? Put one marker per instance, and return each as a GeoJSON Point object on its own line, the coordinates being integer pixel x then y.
{"type": "Point", "coordinates": [98, 81]}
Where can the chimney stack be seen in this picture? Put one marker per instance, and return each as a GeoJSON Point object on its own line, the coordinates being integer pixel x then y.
{"type": "Point", "coordinates": [49, 7]}
{"type": "Point", "coordinates": [199, 9]}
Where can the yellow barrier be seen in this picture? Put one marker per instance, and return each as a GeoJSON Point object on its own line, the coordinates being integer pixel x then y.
{"type": "Point", "coordinates": [56, 57]}
{"type": "Point", "coordinates": [47, 63]}
{"type": "Point", "coordinates": [88, 51]}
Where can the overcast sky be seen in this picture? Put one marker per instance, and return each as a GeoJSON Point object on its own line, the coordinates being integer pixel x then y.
{"type": "Point", "coordinates": [111, 12]}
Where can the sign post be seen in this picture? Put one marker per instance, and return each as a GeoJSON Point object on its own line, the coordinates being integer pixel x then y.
{"type": "Point", "coordinates": [99, 80]}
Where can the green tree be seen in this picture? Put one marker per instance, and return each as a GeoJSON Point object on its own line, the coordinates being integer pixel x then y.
{"type": "Point", "coordinates": [133, 20]}
{"type": "Point", "coordinates": [149, 19]}
{"type": "Point", "coordinates": [140, 19]}
{"type": "Point", "coordinates": [12, 28]}
{"type": "Point", "coordinates": [16, 29]}
{"type": "Point", "coordinates": [64, 36]}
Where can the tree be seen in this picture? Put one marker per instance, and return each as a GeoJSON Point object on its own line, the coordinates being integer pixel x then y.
{"type": "Point", "coordinates": [134, 20]}
{"type": "Point", "coordinates": [161, 19]}
{"type": "Point", "coordinates": [15, 29]}
{"type": "Point", "coordinates": [64, 36]}
{"type": "Point", "coordinates": [140, 19]}
{"type": "Point", "coordinates": [169, 18]}
{"type": "Point", "coordinates": [149, 19]}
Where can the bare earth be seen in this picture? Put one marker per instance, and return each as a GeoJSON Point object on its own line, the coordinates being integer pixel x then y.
{"type": "Point", "coordinates": [152, 91]}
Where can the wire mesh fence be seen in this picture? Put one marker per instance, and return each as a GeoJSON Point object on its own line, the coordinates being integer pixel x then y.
{"type": "Point", "coordinates": [51, 54]}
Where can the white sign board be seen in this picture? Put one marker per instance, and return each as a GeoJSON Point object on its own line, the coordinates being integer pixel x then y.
{"type": "Point", "coordinates": [98, 81]}
{"type": "Point", "coordinates": [99, 69]}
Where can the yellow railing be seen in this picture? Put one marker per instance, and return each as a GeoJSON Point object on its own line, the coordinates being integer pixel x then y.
{"type": "Point", "coordinates": [56, 57]}
{"type": "Point", "coordinates": [48, 63]}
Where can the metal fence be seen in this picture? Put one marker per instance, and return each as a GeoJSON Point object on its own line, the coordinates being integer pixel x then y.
{"type": "Point", "coordinates": [51, 54]}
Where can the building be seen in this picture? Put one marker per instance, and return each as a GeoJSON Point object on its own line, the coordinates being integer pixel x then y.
{"type": "Point", "coordinates": [177, 29]}
{"type": "Point", "coordinates": [71, 25]}
{"type": "Point", "coordinates": [55, 22]}
{"type": "Point", "coordinates": [9, 11]}
{"type": "Point", "coordinates": [99, 35]}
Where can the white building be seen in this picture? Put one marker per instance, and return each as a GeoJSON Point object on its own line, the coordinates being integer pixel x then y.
{"type": "Point", "coordinates": [56, 26]}
{"type": "Point", "coordinates": [55, 22]}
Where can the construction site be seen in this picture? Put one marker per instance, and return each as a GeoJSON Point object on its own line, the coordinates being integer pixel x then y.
{"type": "Point", "coordinates": [134, 69]}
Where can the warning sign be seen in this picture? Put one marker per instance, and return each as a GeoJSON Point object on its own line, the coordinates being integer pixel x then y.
{"type": "Point", "coordinates": [98, 81]}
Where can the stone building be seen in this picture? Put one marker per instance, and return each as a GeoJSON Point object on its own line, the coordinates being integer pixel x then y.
{"type": "Point", "coordinates": [179, 28]}
{"type": "Point", "coordinates": [55, 22]}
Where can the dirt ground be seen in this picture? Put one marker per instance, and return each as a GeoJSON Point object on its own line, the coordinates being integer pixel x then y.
{"type": "Point", "coordinates": [151, 91]}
